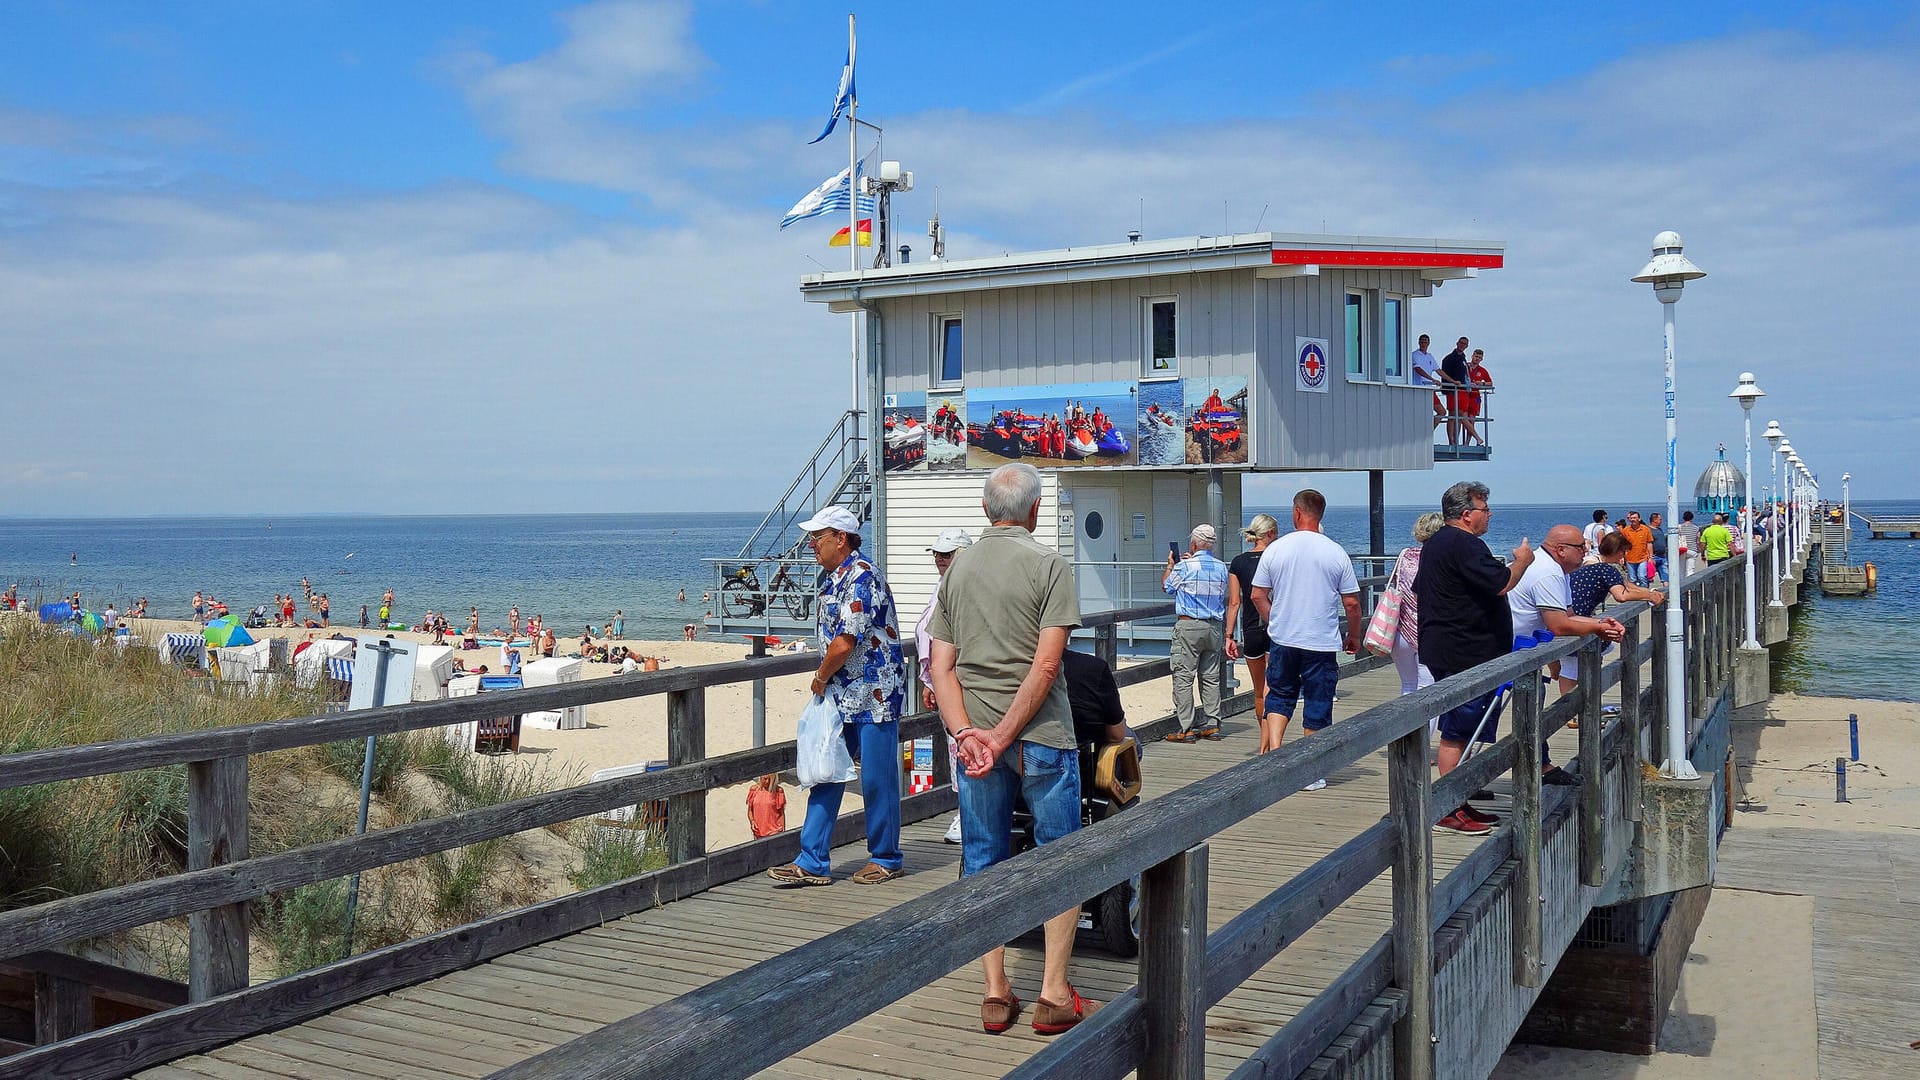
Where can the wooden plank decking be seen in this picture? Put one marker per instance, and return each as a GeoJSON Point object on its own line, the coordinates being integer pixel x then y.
{"type": "Point", "coordinates": [472, 1022]}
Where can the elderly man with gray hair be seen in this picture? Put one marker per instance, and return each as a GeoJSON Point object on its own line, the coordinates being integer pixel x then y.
{"type": "Point", "coordinates": [1007, 606]}
{"type": "Point", "coordinates": [1198, 585]}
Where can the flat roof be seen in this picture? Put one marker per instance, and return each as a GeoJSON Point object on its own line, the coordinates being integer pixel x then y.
{"type": "Point", "coordinates": [1290, 252]}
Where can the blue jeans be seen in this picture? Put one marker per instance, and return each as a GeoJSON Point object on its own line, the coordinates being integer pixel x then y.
{"type": "Point", "coordinates": [1293, 673]}
{"type": "Point", "coordinates": [1050, 781]}
{"type": "Point", "coordinates": [877, 748]}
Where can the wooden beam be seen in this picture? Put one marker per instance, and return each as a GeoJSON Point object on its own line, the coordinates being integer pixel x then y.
{"type": "Point", "coordinates": [1173, 954]}
{"type": "Point", "coordinates": [217, 938]}
{"type": "Point", "coordinates": [1593, 769]}
{"type": "Point", "coordinates": [1631, 716]}
{"type": "Point", "coordinates": [687, 745]}
{"type": "Point", "coordinates": [1313, 1029]}
{"type": "Point", "coordinates": [1107, 1046]}
{"type": "Point", "coordinates": [1409, 810]}
{"type": "Point", "coordinates": [62, 1008]}
{"type": "Point", "coordinates": [1529, 957]}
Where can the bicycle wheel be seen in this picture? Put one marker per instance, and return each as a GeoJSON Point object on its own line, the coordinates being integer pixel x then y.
{"type": "Point", "coordinates": [741, 598]}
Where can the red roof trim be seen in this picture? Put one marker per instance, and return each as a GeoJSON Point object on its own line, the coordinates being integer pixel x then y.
{"type": "Point", "coordinates": [1411, 259]}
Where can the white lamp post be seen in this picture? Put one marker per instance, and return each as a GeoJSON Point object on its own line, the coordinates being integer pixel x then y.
{"type": "Point", "coordinates": [1747, 393]}
{"type": "Point", "coordinates": [1846, 515]}
{"type": "Point", "coordinates": [1789, 482]}
{"type": "Point", "coordinates": [1668, 272]}
{"type": "Point", "coordinates": [1775, 437]}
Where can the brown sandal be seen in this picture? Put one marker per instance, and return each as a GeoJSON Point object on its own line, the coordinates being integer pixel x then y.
{"type": "Point", "coordinates": [874, 874]}
{"type": "Point", "coordinates": [997, 1013]}
{"type": "Point", "coordinates": [792, 874]}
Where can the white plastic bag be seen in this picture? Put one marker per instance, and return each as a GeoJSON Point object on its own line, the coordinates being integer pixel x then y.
{"type": "Point", "coordinates": [821, 753]}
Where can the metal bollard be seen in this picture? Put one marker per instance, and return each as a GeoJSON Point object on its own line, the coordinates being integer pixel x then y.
{"type": "Point", "coordinates": [1853, 733]}
{"type": "Point", "coordinates": [1840, 779]}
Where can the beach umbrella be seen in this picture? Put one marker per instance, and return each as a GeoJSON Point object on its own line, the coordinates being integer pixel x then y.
{"type": "Point", "coordinates": [226, 631]}
{"type": "Point", "coordinates": [93, 623]}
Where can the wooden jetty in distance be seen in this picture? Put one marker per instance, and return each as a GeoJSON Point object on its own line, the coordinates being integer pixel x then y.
{"type": "Point", "coordinates": [1351, 942]}
{"type": "Point", "coordinates": [1892, 526]}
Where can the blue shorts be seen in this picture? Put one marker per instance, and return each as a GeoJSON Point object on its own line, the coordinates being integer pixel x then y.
{"type": "Point", "coordinates": [1050, 783]}
{"type": "Point", "coordinates": [1293, 673]}
{"type": "Point", "coordinates": [1459, 723]}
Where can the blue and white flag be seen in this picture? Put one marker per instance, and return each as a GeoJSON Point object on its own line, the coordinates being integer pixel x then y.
{"type": "Point", "coordinates": [833, 194]}
{"type": "Point", "coordinates": [843, 100]}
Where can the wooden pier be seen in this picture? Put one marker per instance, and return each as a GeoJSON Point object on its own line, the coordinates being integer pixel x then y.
{"type": "Point", "coordinates": [1893, 527]}
{"type": "Point", "coordinates": [1284, 933]}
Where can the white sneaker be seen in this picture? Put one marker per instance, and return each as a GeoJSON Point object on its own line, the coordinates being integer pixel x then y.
{"type": "Point", "coordinates": [1315, 786]}
{"type": "Point", "coordinates": [953, 830]}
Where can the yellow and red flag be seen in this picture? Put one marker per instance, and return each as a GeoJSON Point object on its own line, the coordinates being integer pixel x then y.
{"type": "Point", "coordinates": [866, 235]}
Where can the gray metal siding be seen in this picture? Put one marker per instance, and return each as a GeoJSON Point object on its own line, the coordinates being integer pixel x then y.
{"type": "Point", "coordinates": [1087, 332]}
{"type": "Point", "coordinates": [1352, 425]}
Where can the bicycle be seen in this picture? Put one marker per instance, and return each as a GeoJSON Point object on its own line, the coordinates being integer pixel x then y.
{"type": "Point", "coordinates": [743, 596]}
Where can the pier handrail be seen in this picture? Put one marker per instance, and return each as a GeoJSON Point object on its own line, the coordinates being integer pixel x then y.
{"type": "Point", "coordinates": [753, 1019]}
{"type": "Point", "coordinates": [216, 891]}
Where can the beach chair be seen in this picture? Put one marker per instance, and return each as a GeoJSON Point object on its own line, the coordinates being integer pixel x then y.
{"type": "Point", "coordinates": [499, 732]}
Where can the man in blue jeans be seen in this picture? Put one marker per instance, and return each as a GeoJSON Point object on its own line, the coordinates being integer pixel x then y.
{"type": "Point", "coordinates": [863, 672]}
{"type": "Point", "coordinates": [1007, 604]}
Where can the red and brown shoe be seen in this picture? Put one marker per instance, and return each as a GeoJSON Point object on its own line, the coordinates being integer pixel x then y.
{"type": "Point", "coordinates": [1459, 822]}
{"type": "Point", "coordinates": [1052, 1019]}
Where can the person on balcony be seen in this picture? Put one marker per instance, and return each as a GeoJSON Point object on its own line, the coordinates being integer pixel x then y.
{"type": "Point", "coordinates": [1453, 374]}
{"type": "Point", "coordinates": [1477, 375]}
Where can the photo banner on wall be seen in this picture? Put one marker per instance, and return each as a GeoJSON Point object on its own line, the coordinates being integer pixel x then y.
{"type": "Point", "coordinates": [1216, 421]}
{"type": "Point", "coordinates": [1310, 364]}
{"type": "Point", "coordinates": [1161, 433]}
{"type": "Point", "coordinates": [925, 433]}
{"type": "Point", "coordinates": [1067, 425]}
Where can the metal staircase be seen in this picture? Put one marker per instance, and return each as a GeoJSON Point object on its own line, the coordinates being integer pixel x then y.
{"type": "Point", "coordinates": [768, 586]}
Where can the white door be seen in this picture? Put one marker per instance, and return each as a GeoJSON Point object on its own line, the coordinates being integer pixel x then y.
{"type": "Point", "coordinates": [1097, 548]}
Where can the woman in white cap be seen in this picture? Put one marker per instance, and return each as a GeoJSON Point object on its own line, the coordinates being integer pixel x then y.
{"type": "Point", "coordinates": [863, 673]}
{"type": "Point", "coordinates": [1253, 644]}
{"type": "Point", "coordinates": [949, 541]}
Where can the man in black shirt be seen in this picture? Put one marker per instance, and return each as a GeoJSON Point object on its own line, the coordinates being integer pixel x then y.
{"type": "Point", "coordinates": [1094, 697]}
{"type": "Point", "coordinates": [1464, 620]}
{"type": "Point", "coordinates": [1453, 372]}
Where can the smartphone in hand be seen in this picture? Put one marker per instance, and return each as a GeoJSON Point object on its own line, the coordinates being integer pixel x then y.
{"type": "Point", "coordinates": [1173, 550]}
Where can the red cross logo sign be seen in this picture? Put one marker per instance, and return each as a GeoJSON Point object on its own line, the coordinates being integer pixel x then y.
{"type": "Point", "coordinates": [1313, 365]}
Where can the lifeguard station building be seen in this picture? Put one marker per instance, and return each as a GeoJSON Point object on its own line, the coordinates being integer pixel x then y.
{"type": "Point", "coordinates": [1144, 380]}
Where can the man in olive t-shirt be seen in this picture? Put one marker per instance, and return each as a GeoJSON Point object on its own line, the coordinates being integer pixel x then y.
{"type": "Point", "coordinates": [1007, 605]}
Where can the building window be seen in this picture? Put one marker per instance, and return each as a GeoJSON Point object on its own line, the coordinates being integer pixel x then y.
{"type": "Point", "coordinates": [950, 367]}
{"type": "Point", "coordinates": [1393, 337]}
{"type": "Point", "coordinates": [1359, 340]}
{"type": "Point", "coordinates": [1160, 357]}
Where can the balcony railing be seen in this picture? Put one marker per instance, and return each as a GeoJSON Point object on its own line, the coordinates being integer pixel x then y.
{"type": "Point", "coordinates": [1460, 420]}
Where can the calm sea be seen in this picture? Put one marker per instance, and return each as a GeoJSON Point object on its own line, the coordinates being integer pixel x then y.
{"type": "Point", "coordinates": [578, 568]}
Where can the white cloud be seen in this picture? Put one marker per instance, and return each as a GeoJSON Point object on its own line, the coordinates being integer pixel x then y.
{"type": "Point", "coordinates": [580, 363]}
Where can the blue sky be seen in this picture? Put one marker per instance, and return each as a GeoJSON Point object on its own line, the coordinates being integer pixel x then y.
{"type": "Point", "coordinates": [535, 245]}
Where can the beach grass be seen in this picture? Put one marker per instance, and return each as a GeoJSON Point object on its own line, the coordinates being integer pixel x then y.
{"type": "Point", "coordinates": [80, 836]}
{"type": "Point", "coordinates": [610, 854]}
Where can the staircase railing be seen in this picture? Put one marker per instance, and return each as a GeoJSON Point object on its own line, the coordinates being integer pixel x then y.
{"type": "Point", "coordinates": [837, 466]}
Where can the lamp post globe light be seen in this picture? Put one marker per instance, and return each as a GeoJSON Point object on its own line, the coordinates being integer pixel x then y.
{"type": "Point", "coordinates": [1775, 437]}
{"type": "Point", "coordinates": [1668, 272]}
{"type": "Point", "coordinates": [1747, 393]}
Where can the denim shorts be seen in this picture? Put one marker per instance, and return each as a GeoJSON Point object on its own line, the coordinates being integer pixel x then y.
{"type": "Point", "coordinates": [1459, 723]}
{"type": "Point", "coordinates": [1050, 783]}
{"type": "Point", "coordinates": [1293, 674]}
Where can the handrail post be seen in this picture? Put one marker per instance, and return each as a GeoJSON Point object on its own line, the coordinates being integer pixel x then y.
{"type": "Point", "coordinates": [1630, 717]}
{"type": "Point", "coordinates": [1173, 974]}
{"type": "Point", "coordinates": [216, 835]}
{"type": "Point", "coordinates": [686, 743]}
{"type": "Point", "coordinates": [1528, 952]}
{"type": "Point", "coordinates": [1106, 645]}
{"type": "Point", "coordinates": [1408, 803]}
{"type": "Point", "coordinates": [1593, 771]}
{"type": "Point", "coordinates": [62, 1008]}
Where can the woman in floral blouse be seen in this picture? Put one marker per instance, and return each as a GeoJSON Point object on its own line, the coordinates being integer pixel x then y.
{"type": "Point", "coordinates": [863, 674]}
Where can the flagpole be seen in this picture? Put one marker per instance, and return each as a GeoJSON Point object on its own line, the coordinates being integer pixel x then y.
{"type": "Point", "coordinates": [853, 210]}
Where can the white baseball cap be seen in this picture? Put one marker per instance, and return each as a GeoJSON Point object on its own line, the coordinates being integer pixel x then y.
{"type": "Point", "coordinates": [838, 518]}
{"type": "Point", "coordinates": [950, 540]}
{"type": "Point", "coordinates": [1202, 534]}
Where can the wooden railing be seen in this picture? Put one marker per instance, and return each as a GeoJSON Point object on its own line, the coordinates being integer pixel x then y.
{"type": "Point", "coordinates": [222, 878]}
{"type": "Point", "coordinates": [744, 1022]}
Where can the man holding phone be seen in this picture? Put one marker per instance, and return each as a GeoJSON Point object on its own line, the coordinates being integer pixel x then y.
{"type": "Point", "coordinates": [1198, 585]}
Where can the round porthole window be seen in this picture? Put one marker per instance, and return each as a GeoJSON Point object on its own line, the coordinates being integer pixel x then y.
{"type": "Point", "coordinates": [1095, 525]}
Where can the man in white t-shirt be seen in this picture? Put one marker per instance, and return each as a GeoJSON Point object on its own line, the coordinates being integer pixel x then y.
{"type": "Point", "coordinates": [1426, 372]}
{"type": "Point", "coordinates": [1539, 601]}
{"type": "Point", "coordinates": [1301, 587]}
{"type": "Point", "coordinates": [1594, 533]}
